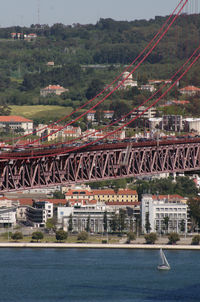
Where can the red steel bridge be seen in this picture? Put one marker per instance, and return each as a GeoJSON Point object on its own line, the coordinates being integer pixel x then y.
{"type": "Point", "coordinates": [45, 168]}
{"type": "Point", "coordinates": [65, 164]}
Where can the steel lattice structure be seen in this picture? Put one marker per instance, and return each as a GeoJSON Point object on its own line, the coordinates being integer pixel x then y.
{"type": "Point", "coordinates": [95, 165]}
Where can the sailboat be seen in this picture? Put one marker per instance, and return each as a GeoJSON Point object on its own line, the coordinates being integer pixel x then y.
{"type": "Point", "coordinates": [164, 265]}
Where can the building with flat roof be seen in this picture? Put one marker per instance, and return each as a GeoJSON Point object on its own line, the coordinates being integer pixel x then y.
{"type": "Point", "coordinates": [38, 214]}
{"type": "Point", "coordinates": [155, 210]}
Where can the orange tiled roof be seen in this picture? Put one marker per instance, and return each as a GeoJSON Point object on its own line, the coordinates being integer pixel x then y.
{"type": "Point", "coordinates": [112, 192]}
{"type": "Point", "coordinates": [14, 118]}
{"type": "Point", "coordinates": [122, 203]}
{"type": "Point", "coordinates": [174, 196]}
{"type": "Point", "coordinates": [190, 88]}
{"type": "Point", "coordinates": [53, 87]}
{"type": "Point", "coordinates": [74, 192]}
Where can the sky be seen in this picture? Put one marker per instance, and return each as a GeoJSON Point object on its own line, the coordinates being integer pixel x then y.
{"type": "Point", "coordinates": [25, 12]}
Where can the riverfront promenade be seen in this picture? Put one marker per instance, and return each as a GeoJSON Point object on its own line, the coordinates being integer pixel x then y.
{"type": "Point", "coordinates": [97, 246]}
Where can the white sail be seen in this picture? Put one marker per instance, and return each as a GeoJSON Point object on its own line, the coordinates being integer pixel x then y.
{"type": "Point", "coordinates": [165, 264]}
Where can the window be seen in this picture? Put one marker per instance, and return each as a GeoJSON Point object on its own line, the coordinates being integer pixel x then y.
{"type": "Point", "coordinates": [61, 213]}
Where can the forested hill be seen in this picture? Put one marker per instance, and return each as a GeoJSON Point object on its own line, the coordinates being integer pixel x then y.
{"type": "Point", "coordinates": [23, 65]}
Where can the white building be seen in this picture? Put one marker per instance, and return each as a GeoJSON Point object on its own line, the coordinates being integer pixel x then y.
{"type": "Point", "coordinates": [53, 89]}
{"type": "Point", "coordinates": [155, 121]}
{"type": "Point", "coordinates": [129, 82]}
{"type": "Point", "coordinates": [7, 217]}
{"type": "Point", "coordinates": [151, 112]}
{"type": "Point", "coordinates": [192, 124]}
{"type": "Point", "coordinates": [148, 87]}
{"type": "Point", "coordinates": [38, 214]}
{"type": "Point", "coordinates": [17, 122]}
{"type": "Point", "coordinates": [80, 216]}
{"type": "Point", "coordinates": [157, 209]}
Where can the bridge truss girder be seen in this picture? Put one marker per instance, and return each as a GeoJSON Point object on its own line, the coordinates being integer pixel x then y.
{"type": "Point", "coordinates": [80, 167]}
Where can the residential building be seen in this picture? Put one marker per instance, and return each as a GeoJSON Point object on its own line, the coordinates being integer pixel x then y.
{"type": "Point", "coordinates": [147, 87]}
{"type": "Point", "coordinates": [129, 82]}
{"type": "Point", "coordinates": [22, 36]}
{"type": "Point", "coordinates": [107, 114]}
{"type": "Point", "coordinates": [155, 122]}
{"type": "Point", "coordinates": [38, 214]}
{"type": "Point", "coordinates": [192, 124]}
{"type": "Point", "coordinates": [7, 216]}
{"type": "Point", "coordinates": [16, 122]}
{"type": "Point", "coordinates": [156, 209]}
{"type": "Point", "coordinates": [52, 89]}
{"type": "Point", "coordinates": [149, 113]}
{"type": "Point", "coordinates": [80, 216]}
{"type": "Point", "coordinates": [110, 196]}
{"type": "Point", "coordinates": [190, 90]}
{"type": "Point", "coordinates": [172, 122]}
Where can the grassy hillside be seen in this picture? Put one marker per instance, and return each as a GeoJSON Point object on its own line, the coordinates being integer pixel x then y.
{"type": "Point", "coordinates": [41, 113]}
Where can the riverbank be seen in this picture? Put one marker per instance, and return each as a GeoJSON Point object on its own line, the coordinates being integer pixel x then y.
{"type": "Point", "coordinates": [96, 246]}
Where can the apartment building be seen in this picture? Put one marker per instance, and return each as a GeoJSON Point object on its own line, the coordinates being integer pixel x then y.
{"type": "Point", "coordinates": [156, 209]}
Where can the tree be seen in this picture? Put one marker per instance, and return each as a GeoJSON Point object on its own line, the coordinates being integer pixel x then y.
{"type": "Point", "coordinates": [94, 88]}
{"type": "Point", "coordinates": [166, 223]}
{"type": "Point", "coordinates": [82, 236]}
{"type": "Point", "coordinates": [37, 236]}
{"type": "Point", "coordinates": [151, 238]}
{"type": "Point", "coordinates": [88, 224]}
{"type": "Point", "coordinates": [58, 195]}
{"type": "Point", "coordinates": [70, 223]}
{"type": "Point", "coordinates": [17, 236]}
{"type": "Point", "coordinates": [105, 221]}
{"type": "Point", "coordinates": [147, 223]}
{"type": "Point", "coordinates": [194, 212]}
{"type": "Point", "coordinates": [51, 224]}
{"type": "Point", "coordinates": [114, 222]}
{"type": "Point", "coordinates": [195, 240]}
{"type": "Point", "coordinates": [130, 236]}
{"type": "Point", "coordinates": [61, 235]}
{"type": "Point", "coordinates": [122, 220]}
{"type": "Point", "coordinates": [182, 225]}
{"type": "Point", "coordinates": [173, 238]}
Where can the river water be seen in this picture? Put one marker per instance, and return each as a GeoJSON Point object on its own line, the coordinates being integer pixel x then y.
{"type": "Point", "coordinates": [92, 275]}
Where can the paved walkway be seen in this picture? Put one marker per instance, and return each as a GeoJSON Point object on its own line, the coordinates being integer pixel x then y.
{"type": "Point", "coordinates": [98, 246]}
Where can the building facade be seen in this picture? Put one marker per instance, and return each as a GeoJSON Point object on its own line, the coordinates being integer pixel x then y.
{"type": "Point", "coordinates": [38, 214]}
{"type": "Point", "coordinates": [17, 122]}
{"type": "Point", "coordinates": [156, 210]}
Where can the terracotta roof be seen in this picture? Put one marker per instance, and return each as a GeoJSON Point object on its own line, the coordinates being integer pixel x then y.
{"type": "Point", "coordinates": [190, 88]}
{"type": "Point", "coordinates": [122, 203]}
{"type": "Point", "coordinates": [75, 192]}
{"type": "Point", "coordinates": [112, 192]}
{"type": "Point", "coordinates": [14, 118]}
{"type": "Point", "coordinates": [180, 102]}
{"type": "Point", "coordinates": [53, 87]}
{"type": "Point", "coordinates": [160, 197]}
{"type": "Point", "coordinates": [55, 201]}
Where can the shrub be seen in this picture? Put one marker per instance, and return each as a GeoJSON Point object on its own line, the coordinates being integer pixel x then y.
{"type": "Point", "coordinates": [17, 236]}
{"type": "Point", "coordinates": [195, 239]}
{"type": "Point", "coordinates": [151, 238]}
{"type": "Point", "coordinates": [173, 238]}
{"type": "Point", "coordinates": [82, 236]}
{"type": "Point", "coordinates": [37, 236]}
{"type": "Point", "coordinates": [61, 235]}
{"type": "Point", "coordinates": [104, 241]}
{"type": "Point", "coordinates": [130, 236]}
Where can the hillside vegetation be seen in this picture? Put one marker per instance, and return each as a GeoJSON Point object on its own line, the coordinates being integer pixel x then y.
{"type": "Point", "coordinates": [87, 57]}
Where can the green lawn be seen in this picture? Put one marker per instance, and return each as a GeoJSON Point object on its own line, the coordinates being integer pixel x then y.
{"type": "Point", "coordinates": [41, 112]}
